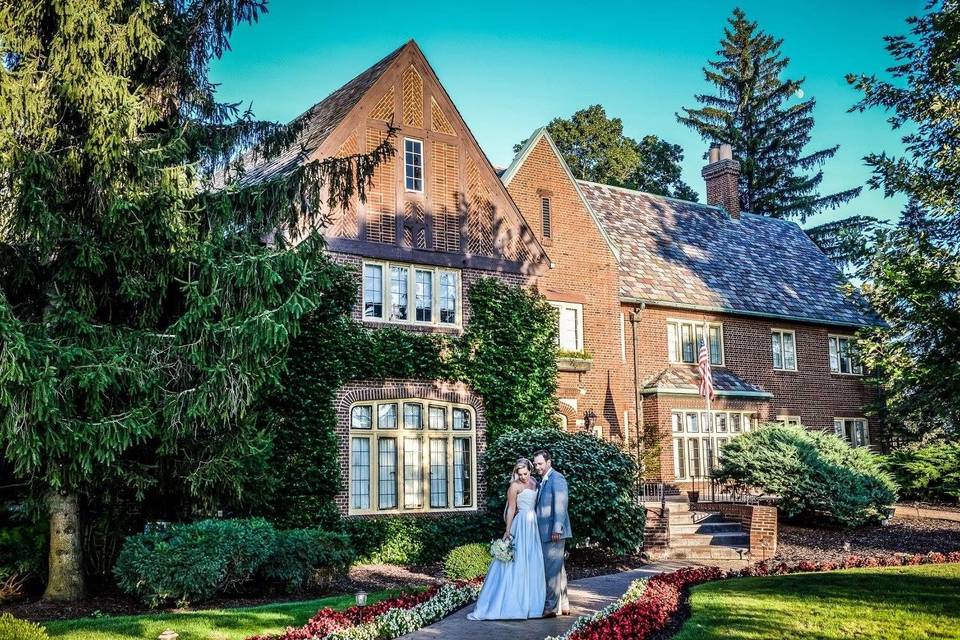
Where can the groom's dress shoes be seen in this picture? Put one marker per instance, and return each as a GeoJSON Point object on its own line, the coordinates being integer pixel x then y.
{"type": "Point", "coordinates": [552, 614]}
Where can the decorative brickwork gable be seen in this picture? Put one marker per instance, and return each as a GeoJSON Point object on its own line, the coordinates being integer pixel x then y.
{"type": "Point", "coordinates": [381, 204]}
{"type": "Point", "coordinates": [446, 172]}
{"type": "Point", "coordinates": [383, 110]}
{"type": "Point", "coordinates": [412, 98]}
{"type": "Point", "coordinates": [439, 121]}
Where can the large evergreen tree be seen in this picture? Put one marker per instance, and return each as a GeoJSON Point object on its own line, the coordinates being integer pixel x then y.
{"type": "Point", "coordinates": [595, 149]}
{"type": "Point", "coordinates": [914, 278]}
{"type": "Point", "coordinates": [140, 306]}
{"type": "Point", "coordinates": [751, 110]}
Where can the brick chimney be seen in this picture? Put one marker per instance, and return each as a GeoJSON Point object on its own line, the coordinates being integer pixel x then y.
{"type": "Point", "coordinates": [721, 175]}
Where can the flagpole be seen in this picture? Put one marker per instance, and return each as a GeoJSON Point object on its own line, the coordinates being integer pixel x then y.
{"type": "Point", "coordinates": [706, 344]}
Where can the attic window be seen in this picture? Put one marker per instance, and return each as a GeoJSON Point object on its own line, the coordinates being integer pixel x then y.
{"type": "Point", "coordinates": [546, 213]}
{"type": "Point", "coordinates": [413, 164]}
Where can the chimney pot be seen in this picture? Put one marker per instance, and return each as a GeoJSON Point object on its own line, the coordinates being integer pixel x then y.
{"type": "Point", "coordinates": [726, 152]}
{"type": "Point", "coordinates": [714, 153]}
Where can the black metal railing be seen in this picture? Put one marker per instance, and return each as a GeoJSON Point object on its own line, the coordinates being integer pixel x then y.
{"type": "Point", "coordinates": [712, 490]}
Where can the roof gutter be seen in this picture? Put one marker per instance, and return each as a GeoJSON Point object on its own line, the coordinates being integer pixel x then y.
{"type": "Point", "coordinates": [740, 312]}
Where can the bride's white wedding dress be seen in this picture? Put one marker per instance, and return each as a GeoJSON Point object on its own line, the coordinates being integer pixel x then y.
{"type": "Point", "coordinates": [516, 590]}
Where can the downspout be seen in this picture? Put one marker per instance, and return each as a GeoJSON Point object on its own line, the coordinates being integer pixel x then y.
{"type": "Point", "coordinates": [637, 399]}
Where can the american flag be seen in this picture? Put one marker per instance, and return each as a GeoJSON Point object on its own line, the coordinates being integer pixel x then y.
{"type": "Point", "coordinates": [706, 378]}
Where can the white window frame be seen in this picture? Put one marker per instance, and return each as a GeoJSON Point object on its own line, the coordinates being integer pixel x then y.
{"type": "Point", "coordinates": [407, 165]}
{"type": "Point", "coordinates": [694, 325]}
{"type": "Point", "coordinates": [560, 306]}
{"type": "Point", "coordinates": [449, 435]}
{"type": "Point", "coordinates": [859, 438]}
{"type": "Point", "coordinates": [386, 296]}
{"type": "Point", "coordinates": [783, 351]}
{"type": "Point", "coordinates": [703, 440]}
{"type": "Point", "coordinates": [788, 419]}
{"type": "Point", "coordinates": [835, 338]}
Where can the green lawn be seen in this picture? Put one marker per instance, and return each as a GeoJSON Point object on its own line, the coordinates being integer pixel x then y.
{"type": "Point", "coordinates": [888, 603]}
{"type": "Point", "coordinates": [212, 624]}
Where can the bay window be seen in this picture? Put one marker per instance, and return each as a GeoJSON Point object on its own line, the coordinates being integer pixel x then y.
{"type": "Point", "coordinates": [435, 294]}
{"type": "Point", "coordinates": [415, 469]}
{"type": "Point", "coordinates": [698, 440]}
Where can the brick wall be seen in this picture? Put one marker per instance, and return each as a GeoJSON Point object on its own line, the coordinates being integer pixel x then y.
{"type": "Point", "coordinates": [390, 389]}
{"type": "Point", "coordinates": [585, 272]}
{"type": "Point", "coordinates": [812, 392]}
{"type": "Point", "coordinates": [759, 521]}
{"type": "Point", "coordinates": [656, 530]}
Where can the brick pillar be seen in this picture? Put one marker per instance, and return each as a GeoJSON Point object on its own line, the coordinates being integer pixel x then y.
{"type": "Point", "coordinates": [721, 176]}
{"type": "Point", "coordinates": [763, 532]}
{"type": "Point", "coordinates": [656, 530]}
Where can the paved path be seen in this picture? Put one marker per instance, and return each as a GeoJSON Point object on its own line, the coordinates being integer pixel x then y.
{"type": "Point", "coordinates": [586, 596]}
{"type": "Point", "coordinates": [915, 512]}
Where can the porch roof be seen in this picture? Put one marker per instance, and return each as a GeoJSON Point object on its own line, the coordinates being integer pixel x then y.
{"type": "Point", "coordinates": [685, 380]}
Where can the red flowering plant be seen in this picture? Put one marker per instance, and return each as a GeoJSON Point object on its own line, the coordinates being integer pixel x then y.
{"type": "Point", "coordinates": [664, 594]}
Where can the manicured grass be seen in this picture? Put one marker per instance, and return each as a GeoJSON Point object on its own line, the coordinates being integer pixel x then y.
{"type": "Point", "coordinates": [888, 603]}
{"type": "Point", "coordinates": [212, 624]}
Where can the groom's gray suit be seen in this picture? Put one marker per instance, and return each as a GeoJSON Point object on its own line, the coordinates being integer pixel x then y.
{"type": "Point", "coordinates": [552, 517]}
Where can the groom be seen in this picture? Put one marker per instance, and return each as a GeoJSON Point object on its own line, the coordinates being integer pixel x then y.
{"type": "Point", "coordinates": [554, 525]}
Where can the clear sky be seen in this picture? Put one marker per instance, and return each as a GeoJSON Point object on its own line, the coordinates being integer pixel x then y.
{"type": "Point", "coordinates": [512, 67]}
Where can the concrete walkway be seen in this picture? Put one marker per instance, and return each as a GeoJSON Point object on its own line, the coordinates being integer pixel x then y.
{"type": "Point", "coordinates": [586, 596]}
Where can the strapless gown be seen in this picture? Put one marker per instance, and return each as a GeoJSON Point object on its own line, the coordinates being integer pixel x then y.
{"type": "Point", "coordinates": [516, 590]}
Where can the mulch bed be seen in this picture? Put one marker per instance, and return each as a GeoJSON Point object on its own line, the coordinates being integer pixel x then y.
{"type": "Point", "coordinates": [902, 535]}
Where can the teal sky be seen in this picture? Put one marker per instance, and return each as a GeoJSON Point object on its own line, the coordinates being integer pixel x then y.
{"type": "Point", "coordinates": [512, 67]}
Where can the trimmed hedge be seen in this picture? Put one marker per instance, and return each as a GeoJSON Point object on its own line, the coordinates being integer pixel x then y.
{"type": "Point", "coordinates": [408, 540]}
{"type": "Point", "coordinates": [927, 473]}
{"type": "Point", "coordinates": [601, 477]}
{"type": "Point", "coordinates": [816, 474]}
{"type": "Point", "coordinates": [303, 557]}
{"type": "Point", "coordinates": [15, 629]}
{"type": "Point", "coordinates": [467, 562]}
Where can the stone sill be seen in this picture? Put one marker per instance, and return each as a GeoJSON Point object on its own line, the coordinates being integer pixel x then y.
{"type": "Point", "coordinates": [576, 365]}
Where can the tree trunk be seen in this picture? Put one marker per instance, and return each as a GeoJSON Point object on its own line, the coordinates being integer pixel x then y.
{"type": "Point", "coordinates": [65, 574]}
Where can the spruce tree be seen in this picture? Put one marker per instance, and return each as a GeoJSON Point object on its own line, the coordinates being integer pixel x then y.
{"type": "Point", "coordinates": [145, 297]}
{"type": "Point", "coordinates": [751, 111]}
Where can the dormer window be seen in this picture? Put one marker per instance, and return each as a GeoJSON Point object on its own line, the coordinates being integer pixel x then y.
{"type": "Point", "coordinates": [413, 164]}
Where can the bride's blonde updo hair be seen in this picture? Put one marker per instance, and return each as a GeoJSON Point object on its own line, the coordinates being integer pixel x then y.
{"type": "Point", "coordinates": [521, 463]}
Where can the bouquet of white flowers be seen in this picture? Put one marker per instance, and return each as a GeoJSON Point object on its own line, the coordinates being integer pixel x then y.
{"type": "Point", "coordinates": [502, 550]}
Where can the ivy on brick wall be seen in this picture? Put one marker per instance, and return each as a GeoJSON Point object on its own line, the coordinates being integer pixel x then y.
{"type": "Point", "coordinates": [506, 354]}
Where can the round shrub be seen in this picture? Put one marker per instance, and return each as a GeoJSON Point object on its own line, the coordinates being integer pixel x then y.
{"type": "Point", "coordinates": [466, 562]}
{"type": "Point", "coordinates": [601, 476]}
{"type": "Point", "coordinates": [187, 563]}
{"type": "Point", "coordinates": [15, 629]}
{"type": "Point", "coordinates": [303, 557]}
{"type": "Point", "coordinates": [816, 474]}
{"type": "Point", "coordinates": [927, 473]}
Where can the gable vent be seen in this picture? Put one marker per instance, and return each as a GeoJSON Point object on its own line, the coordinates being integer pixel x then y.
{"type": "Point", "coordinates": [546, 213]}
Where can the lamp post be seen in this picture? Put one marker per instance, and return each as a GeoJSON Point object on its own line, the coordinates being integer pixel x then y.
{"type": "Point", "coordinates": [361, 603]}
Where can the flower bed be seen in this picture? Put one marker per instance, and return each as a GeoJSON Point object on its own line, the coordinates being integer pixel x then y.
{"type": "Point", "coordinates": [386, 619]}
{"type": "Point", "coordinates": [648, 609]}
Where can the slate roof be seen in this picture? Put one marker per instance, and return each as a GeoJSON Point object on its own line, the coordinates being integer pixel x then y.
{"type": "Point", "coordinates": [689, 255]}
{"type": "Point", "coordinates": [322, 118]}
{"type": "Point", "coordinates": [686, 378]}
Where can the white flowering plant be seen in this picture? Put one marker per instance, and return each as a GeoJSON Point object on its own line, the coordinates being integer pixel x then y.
{"type": "Point", "coordinates": [502, 549]}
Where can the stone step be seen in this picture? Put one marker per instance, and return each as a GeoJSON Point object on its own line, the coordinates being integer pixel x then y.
{"type": "Point", "coordinates": [706, 552]}
{"type": "Point", "coordinates": [729, 539]}
{"type": "Point", "coordinates": [711, 527]}
{"type": "Point", "coordinates": [695, 518]}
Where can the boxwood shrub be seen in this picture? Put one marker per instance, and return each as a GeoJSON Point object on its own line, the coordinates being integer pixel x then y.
{"type": "Point", "coordinates": [186, 563]}
{"type": "Point", "coordinates": [818, 476]}
{"type": "Point", "coordinates": [467, 561]}
{"type": "Point", "coordinates": [304, 557]}
{"type": "Point", "coordinates": [601, 477]}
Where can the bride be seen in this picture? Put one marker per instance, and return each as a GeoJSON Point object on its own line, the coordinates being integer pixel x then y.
{"type": "Point", "coordinates": [516, 590]}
